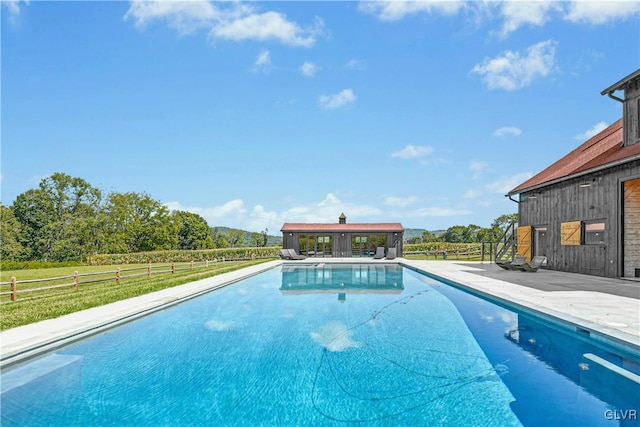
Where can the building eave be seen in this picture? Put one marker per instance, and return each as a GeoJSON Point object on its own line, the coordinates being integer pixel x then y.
{"type": "Point", "coordinates": [620, 85]}
{"type": "Point", "coordinates": [575, 175]}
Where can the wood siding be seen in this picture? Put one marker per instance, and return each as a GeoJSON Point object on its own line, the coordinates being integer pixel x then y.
{"type": "Point", "coordinates": [341, 242]}
{"type": "Point", "coordinates": [631, 227]}
{"type": "Point", "coordinates": [572, 200]}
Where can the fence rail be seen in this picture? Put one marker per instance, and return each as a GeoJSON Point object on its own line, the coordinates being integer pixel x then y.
{"type": "Point", "coordinates": [486, 252]}
{"type": "Point", "coordinates": [76, 279]}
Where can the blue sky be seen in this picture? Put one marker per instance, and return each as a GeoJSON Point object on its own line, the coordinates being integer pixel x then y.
{"type": "Point", "coordinates": [253, 114]}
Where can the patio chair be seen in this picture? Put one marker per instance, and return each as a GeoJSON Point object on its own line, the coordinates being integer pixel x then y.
{"type": "Point", "coordinates": [517, 263]}
{"type": "Point", "coordinates": [506, 263]}
{"type": "Point", "coordinates": [379, 253]}
{"type": "Point", "coordinates": [535, 264]}
{"type": "Point", "coordinates": [294, 255]}
{"type": "Point", "coordinates": [391, 253]}
{"type": "Point", "coordinates": [284, 254]}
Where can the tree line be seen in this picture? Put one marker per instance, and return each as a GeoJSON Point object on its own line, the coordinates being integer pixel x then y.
{"type": "Point", "coordinates": [67, 219]}
{"type": "Point", "coordinates": [469, 234]}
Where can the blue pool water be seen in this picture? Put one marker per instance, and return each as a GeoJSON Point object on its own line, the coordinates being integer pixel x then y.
{"type": "Point", "coordinates": [329, 345]}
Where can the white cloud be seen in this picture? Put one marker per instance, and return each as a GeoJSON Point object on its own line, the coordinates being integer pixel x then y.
{"type": "Point", "coordinates": [235, 21]}
{"type": "Point", "coordinates": [596, 129]}
{"type": "Point", "coordinates": [328, 210]}
{"type": "Point", "coordinates": [514, 70]}
{"type": "Point", "coordinates": [13, 6]}
{"type": "Point", "coordinates": [267, 26]}
{"type": "Point", "coordinates": [601, 12]}
{"type": "Point", "coordinates": [309, 69]}
{"type": "Point", "coordinates": [477, 167]}
{"type": "Point", "coordinates": [518, 13]}
{"type": "Point", "coordinates": [396, 10]}
{"type": "Point", "coordinates": [236, 214]}
{"type": "Point", "coordinates": [507, 130]}
{"type": "Point", "coordinates": [399, 202]}
{"type": "Point", "coordinates": [340, 100]}
{"type": "Point", "coordinates": [184, 17]}
{"type": "Point", "coordinates": [413, 152]}
{"type": "Point", "coordinates": [356, 64]}
{"type": "Point", "coordinates": [262, 62]}
{"type": "Point", "coordinates": [473, 194]}
{"type": "Point", "coordinates": [506, 183]}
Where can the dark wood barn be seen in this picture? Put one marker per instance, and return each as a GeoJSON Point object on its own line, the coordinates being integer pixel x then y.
{"type": "Point", "coordinates": [583, 211]}
{"type": "Point", "coordinates": [341, 239]}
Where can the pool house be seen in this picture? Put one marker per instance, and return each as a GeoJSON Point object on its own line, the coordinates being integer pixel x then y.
{"type": "Point", "coordinates": [342, 239]}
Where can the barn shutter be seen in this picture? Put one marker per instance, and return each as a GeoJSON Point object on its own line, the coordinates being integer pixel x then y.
{"type": "Point", "coordinates": [571, 233]}
{"type": "Point", "coordinates": [524, 241]}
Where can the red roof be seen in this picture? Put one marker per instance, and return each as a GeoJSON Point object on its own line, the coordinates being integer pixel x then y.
{"type": "Point", "coordinates": [378, 227]}
{"type": "Point", "coordinates": [599, 151]}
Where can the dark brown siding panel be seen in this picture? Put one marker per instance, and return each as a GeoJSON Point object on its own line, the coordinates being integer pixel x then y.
{"type": "Point", "coordinates": [596, 196]}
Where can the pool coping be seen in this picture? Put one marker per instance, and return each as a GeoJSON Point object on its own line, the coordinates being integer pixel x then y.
{"type": "Point", "coordinates": [29, 341]}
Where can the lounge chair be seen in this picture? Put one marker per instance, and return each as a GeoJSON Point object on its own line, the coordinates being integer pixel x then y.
{"type": "Point", "coordinates": [294, 255]}
{"type": "Point", "coordinates": [379, 253]}
{"type": "Point", "coordinates": [284, 254]}
{"type": "Point", "coordinates": [535, 264]}
{"type": "Point", "coordinates": [391, 253]}
{"type": "Point", "coordinates": [506, 263]}
{"type": "Point", "coordinates": [517, 263]}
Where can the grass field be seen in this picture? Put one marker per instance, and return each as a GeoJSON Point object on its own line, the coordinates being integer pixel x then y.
{"type": "Point", "coordinates": [51, 303]}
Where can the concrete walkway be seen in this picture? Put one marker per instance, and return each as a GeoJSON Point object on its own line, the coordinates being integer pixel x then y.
{"type": "Point", "coordinates": [607, 308]}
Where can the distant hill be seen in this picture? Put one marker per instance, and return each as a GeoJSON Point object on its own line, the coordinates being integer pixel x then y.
{"type": "Point", "coordinates": [410, 233]}
{"type": "Point", "coordinates": [271, 240]}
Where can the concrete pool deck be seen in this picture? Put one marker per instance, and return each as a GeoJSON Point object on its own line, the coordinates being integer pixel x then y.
{"type": "Point", "coordinates": [609, 308]}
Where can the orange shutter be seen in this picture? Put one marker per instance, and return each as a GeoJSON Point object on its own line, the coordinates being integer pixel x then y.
{"type": "Point", "coordinates": [571, 233]}
{"type": "Point", "coordinates": [524, 241]}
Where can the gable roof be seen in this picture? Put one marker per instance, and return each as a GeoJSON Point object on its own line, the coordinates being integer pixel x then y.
{"type": "Point", "coordinates": [372, 227]}
{"type": "Point", "coordinates": [602, 151]}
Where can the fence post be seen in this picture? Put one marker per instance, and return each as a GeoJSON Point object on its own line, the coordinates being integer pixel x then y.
{"type": "Point", "coordinates": [14, 289]}
{"type": "Point", "coordinates": [149, 271]}
{"type": "Point", "coordinates": [118, 276]}
{"type": "Point", "coordinates": [191, 264]}
{"type": "Point", "coordinates": [76, 281]}
{"type": "Point", "coordinates": [173, 267]}
{"type": "Point", "coordinates": [206, 263]}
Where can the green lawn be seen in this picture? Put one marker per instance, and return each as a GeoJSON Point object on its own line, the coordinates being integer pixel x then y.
{"type": "Point", "coordinates": [48, 304]}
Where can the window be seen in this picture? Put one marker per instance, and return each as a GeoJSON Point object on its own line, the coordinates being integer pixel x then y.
{"type": "Point", "coordinates": [594, 232]}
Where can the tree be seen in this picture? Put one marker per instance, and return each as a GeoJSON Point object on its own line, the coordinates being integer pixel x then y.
{"type": "Point", "coordinates": [455, 234]}
{"type": "Point", "coordinates": [500, 224]}
{"type": "Point", "coordinates": [10, 246]}
{"type": "Point", "coordinates": [429, 237]}
{"type": "Point", "coordinates": [265, 236]}
{"type": "Point", "coordinates": [220, 239]}
{"type": "Point", "coordinates": [236, 238]}
{"type": "Point", "coordinates": [193, 231]}
{"type": "Point", "coordinates": [256, 239]}
{"type": "Point", "coordinates": [137, 223]}
{"type": "Point", "coordinates": [60, 220]}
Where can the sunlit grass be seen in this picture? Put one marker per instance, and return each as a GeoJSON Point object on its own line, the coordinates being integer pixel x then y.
{"type": "Point", "coordinates": [48, 304]}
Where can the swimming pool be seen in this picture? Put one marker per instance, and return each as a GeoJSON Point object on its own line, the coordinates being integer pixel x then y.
{"type": "Point", "coordinates": [328, 344]}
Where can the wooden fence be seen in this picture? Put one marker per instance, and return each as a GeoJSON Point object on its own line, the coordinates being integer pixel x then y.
{"type": "Point", "coordinates": [76, 279]}
{"type": "Point", "coordinates": [486, 252]}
